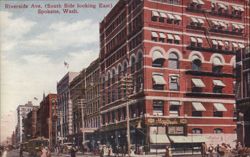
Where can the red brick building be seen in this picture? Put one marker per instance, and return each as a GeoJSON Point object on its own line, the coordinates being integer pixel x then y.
{"type": "Point", "coordinates": [47, 118]}
{"type": "Point", "coordinates": [181, 56]}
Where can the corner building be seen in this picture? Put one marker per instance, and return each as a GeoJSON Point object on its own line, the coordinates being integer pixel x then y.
{"type": "Point", "coordinates": [181, 56]}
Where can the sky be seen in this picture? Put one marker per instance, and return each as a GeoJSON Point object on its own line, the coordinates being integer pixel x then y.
{"type": "Point", "coordinates": [34, 47]}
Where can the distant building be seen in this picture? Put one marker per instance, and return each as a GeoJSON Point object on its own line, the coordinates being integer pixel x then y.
{"type": "Point", "coordinates": [77, 96]}
{"type": "Point", "coordinates": [30, 123]}
{"type": "Point", "coordinates": [65, 123]}
{"type": "Point", "coordinates": [22, 111]}
{"type": "Point", "coordinates": [47, 113]}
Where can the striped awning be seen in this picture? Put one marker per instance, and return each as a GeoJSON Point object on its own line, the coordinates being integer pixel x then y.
{"type": "Point", "coordinates": [235, 45]}
{"type": "Point", "coordinates": [170, 16]}
{"type": "Point", "coordinates": [177, 37]}
{"type": "Point", "coordinates": [199, 40]}
{"type": "Point", "coordinates": [155, 13]}
{"type": "Point", "coordinates": [154, 34]}
{"type": "Point", "coordinates": [170, 36]}
{"type": "Point", "coordinates": [241, 45]}
{"type": "Point", "coordinates": [159, 79]}
{"type": "Point", "coordinates": [178, 17]}
{"type": "Point", "coordinates": [222, 6]}
{"type": "Point", "coordinates": [218, 83]}
{"type": "Point", "coordinates": [194, 20]}
{"type": "Point", "coordinates": [220, 43]}
{"type": "Point", "coordinates": [214, 42]}
{"type": "Point", "coordinates": [162, 35]}
{"type": "Point", "coordinates": [201, 21]}
{"type": "Point", "coordinates": [193, 39]}
{"type": "Point", "coordinates": [198, 83]}
{"type": "Point", "coordinates": [198, 106]}
{"type": "Point", "coordinates": [220, 107]}
{"type": "Point", "coordinates": [163, 15]}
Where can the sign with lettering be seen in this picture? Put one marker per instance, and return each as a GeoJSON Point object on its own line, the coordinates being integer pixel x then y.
{"type": "Point", "coordinates": [165, 121]}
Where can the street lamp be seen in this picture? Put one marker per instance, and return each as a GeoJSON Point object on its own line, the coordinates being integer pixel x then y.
{"type": "Point", "coordinates": [242, 122]}
{"type": "Point", "coordinates": [127, 84]}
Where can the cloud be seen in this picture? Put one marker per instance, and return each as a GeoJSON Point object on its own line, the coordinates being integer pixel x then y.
{"type": "Point", "coordinates": [12, 30]}
{"type": "Point", "coordinates": [61, 35]}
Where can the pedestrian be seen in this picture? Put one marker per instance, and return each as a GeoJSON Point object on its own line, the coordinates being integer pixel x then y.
{"type": "Point", "coordinates": [44, 152]}
{"type": "Point", "coordinates": [168, 152]}
{"type": "Point", "coordinates": [73, 152]}
{"type": "Point", "coordinates": [203, 149]}
{"type": "Point", "coordinates": [21, 152]}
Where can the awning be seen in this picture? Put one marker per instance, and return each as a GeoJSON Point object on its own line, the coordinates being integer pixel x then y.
{"type": "Point", "coordinates": [198, 83]}
{"type": "Point", "coordinates": [241, 45]}
{"type": "Point", "coordinates": [159, 138]}
{"type": "Point", "coordinates": [194, 20]}
{"type": "Point", "coordinates": [222, 6]}
{"type": "Point", "coordinates": [195, 1]}
{"type": "Point", "coordinates": [217, 61]}
{"type": "Point", "coordinates": [157, 55]}
{"type": "Point", "coordinates": [177, 37]}
{"type": "Point", "coordinates": [218, 83]}
{"type": "Point", "coordinates": [170, 16]}
{"type": "Point", "coordinates": [177, 103]}
{"type": "Point", "coordinates": [241, 26]}
{"type": "Point", "coordinates": [240, 9]}
{"type": "Point", "coordinates": [219, 107]}
{"type": "Point", "coordinates": [235, 7]}
{"type": "Point", "coordinates": [220, 43]}
{"type": "Point", "coordinates": [159, 79]}
{"type": "Point", "coordinates": [199, 40]}
{"type": "Point", "coordinates": [154, 34]}
{"type": "Point", "coordinates": [194, 57]}
{"type": "Point", "coordinates": [214, 42]}
{"type": "Point", "coordinates": [198, 106]}
{"type": "Point", "coordinates": [223, 24]}
{"type": "Point", "coordinates": [155, 13]}
{"type": "Point", "coordinates": [200, 2]}
{"type": "Point", "coordinates": [201, 21]}
{"type": "Point", "coordinates": [235, 26]}
{"type": "Point", "coordinates": [163, 15]}
{"type": "Point", "coordinates": [215, 23]}
{"type": "Point", "coordinates": [226, 43]}
{"type": "Point", "coordinates": [170, 36]}
{"type": "Point", "coordinates": [162, 35]}
{"type": "Point", "coordinates": [178, 17]}
{"type": "Point", "coordinates": [188, 139]}
{"type": "Point", "coordinates": [235, 45]}
{"type": "Point", "coordinates": [193, 39]}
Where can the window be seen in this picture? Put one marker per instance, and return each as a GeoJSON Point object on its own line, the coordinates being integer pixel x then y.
{"type": "Point", "coordinates": [158, 81]}
{"type": "Point", "coordinates": [193, 41]}
{"type": "Point", "coordinates": [154, 36]}
{"type": "Point", "coordinates": [174, 107]}
{"type": "Point", "coordinates": [217, 65]}
{"type": "Point", "coordinates": [139, 61]}
{"type": "Point", "coordinates": [173, 61]}
{"type": "Point", "coordinates": [219, 108]}
{"type": "Point", "coordinates": [158, 107]}
{"type": "Point", "coordinates": [197, 131]}
{"type": "Point", "coordinates": [132, 64]}
{"type": "Point", "coordinates": [196, 63]}
{"type": "Point", "coordinates": [170, 38]}
{"type": "Point", "coordinates": [113, 76]}
{"type": "Point", "coordinates": [158, 59]}
{"type": "Point", "coordinates": [197, 85]}
{"type": "Point", "coordinates": [173, 83]}
{"type": "Point", "coordinates": [177, 39]}
{"type": "Point", "coordinates": [108, 79]}
{"type": "Point", "coordinates": [218, 86]}
{"type": "Point", "coordinates": [155, 15]}
{"type": "Point", "coordinates": [113, 116]}
{"type": "Point", "coordinates": [218, 131]}
{"type": "Point", "coordinates": [125, 66]}
{"type": "Point", "coordinates": [119, 72]}
{"type": "Point", "coordinates": [162, 37]}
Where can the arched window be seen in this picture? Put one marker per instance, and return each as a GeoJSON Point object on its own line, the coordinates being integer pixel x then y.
{"type": "Point", "coordinates": [139, 61]}
{"type": "Point", "coordinates": [217, 65]}
{"type": "Point", "coordinates": [132, 64]}
{"type": "Point", "coordinates": [125, 68]}
{"type": "Point", "coordinates": [196, 63]}
{"type": "Point", "coordinates": [119, 71]}
{"type": "Point", "coordinates": [173, 61]}
{"type": "Point", "coordinates": [197, 131]}
{"type": "Point", "coordinates": [157, 59]}
{"type": "Point", "coordinates": [113, 76]}
{"type": "Point", "coordinates": [109, 79]}
{"type": "Point", "coordinates": [218, 131]}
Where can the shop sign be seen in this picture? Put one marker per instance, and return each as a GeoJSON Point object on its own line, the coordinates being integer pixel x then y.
{"type": "Point", "coordinates": [165, 121]}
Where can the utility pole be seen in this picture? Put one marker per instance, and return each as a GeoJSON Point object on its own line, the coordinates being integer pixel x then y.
{"type": "Point", "coordinates": [127, 84]}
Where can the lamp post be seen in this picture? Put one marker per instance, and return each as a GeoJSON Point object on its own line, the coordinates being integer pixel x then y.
{"type": "Point", "coordinates": [81, 103]}
{"type": "Point", "coordinates": [242, 122]}
{"type": "Point", "coordinates": [126, 84]}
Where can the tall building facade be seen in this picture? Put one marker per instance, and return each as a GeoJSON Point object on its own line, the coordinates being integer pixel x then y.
{"type": "Point", "coordinates": [65, 118]}
{"type": "Point", "coordinates": [243, 85]}
{"type": "Point", "coordinates": [30, 123]}
{"type": "Point", "coordinates": [180, 56]}
{"type": "Point", "coordinates": [77, 95]}
{"type": "Point", "coordinates": [22, 111]}
{"type": "Point", "coordinates": [92, 110]}
{"type": "Point", "coordinates": [46, 114]}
